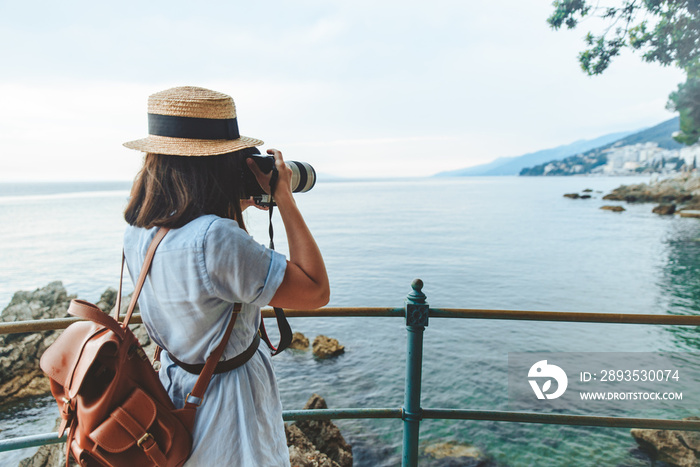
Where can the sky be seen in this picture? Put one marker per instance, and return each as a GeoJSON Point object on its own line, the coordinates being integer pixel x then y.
{"type": "Point", "coordinates": [359, 88]}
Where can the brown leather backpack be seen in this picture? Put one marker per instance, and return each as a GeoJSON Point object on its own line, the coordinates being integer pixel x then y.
{"type": "Point", "coordinates": [109, 395]}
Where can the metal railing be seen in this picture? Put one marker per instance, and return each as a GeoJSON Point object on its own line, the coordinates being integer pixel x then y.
{"type": "Point", "coordinates": [417, 314]}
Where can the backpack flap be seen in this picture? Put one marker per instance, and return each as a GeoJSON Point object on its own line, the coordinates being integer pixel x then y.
{"type": "Point", "coordinates": [98, 364]}
{"type": "Point", "coordinates": [60, 359]}
{"type": "Point", "coordinates": [132, 423]}
{"type": "Point", "coordinates": [92, 350]}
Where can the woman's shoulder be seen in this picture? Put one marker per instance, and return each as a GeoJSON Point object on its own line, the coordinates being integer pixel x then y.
{"type": "Point", "coordinates": [222, 230]}
{"type": "Point", "coordinates": [204, 229]}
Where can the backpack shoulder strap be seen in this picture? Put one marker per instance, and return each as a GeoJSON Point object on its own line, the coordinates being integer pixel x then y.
{"type": "Point", "coordinates": [200, 387]}
{"type": "Point", "coordinates": [160, 234]}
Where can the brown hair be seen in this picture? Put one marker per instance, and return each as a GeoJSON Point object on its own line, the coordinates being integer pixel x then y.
{"type": "Point", "coordinates": [171, 191]}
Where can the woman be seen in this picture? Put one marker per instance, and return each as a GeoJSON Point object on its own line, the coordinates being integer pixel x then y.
{"type": "Point", "coordinates": [190, 182]}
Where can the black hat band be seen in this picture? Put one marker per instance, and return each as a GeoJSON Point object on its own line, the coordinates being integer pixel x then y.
{"type": "Point", "coordinates": [192, 128]}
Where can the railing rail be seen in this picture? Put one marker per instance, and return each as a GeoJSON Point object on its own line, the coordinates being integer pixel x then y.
{"type": "Point", "coordinates": [373, 312]}
{"type": "Point", "coordinates": [417, 314]}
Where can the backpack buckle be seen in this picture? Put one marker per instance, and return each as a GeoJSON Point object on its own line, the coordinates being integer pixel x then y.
{"type": "Point", "coordinates": [143, 439]}
{"type": "Point", "coordinates": [193, 403]}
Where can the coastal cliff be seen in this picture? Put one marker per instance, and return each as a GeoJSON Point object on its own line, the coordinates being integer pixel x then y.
{"type": "Point", "coordinates": [20, 375]}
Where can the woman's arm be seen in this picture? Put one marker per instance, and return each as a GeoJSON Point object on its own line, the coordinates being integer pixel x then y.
{"type": "Point", "coordinates": [305, 283]}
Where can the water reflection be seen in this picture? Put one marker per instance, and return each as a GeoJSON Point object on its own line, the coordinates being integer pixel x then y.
{"type": "Point", "coordinates": [680, 280]}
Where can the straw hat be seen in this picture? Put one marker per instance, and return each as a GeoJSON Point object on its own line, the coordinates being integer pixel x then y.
{"type": "Point", "coordinates": [191, 121]}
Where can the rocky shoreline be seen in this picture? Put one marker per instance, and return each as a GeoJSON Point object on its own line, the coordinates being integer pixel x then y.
{"type": "Point", "coordinates": [20, 375]}
{"type": "Point", "coordinates": [682, 190]}
{"type": "Point", "coordinates": [679, 195]}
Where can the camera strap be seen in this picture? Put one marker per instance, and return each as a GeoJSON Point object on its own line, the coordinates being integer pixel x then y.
{"type": "Point", "coordinates": [270, 230]}
{"type": "Point", "coordinates": [273, 181]}
{"type": "Point", "coordinates": [285, 332]}
{"type": "Point", "coordinates": [282, 323]}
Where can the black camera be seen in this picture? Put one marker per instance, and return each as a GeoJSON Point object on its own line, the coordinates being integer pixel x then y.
{"type": "Point", "coordinates": [303, 177]}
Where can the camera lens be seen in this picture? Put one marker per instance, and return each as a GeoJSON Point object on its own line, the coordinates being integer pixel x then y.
{"type": "Point", "coordinates": [303, 176]}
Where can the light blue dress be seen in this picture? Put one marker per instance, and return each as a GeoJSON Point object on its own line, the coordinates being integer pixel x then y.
{"type": "Point", "coordinates": [197, 274]}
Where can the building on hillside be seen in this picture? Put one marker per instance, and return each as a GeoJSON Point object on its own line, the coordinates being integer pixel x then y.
{"type": "Point", "coordinates": [691, 155]}
{"type": "Point", "coordinates": [625, 160]}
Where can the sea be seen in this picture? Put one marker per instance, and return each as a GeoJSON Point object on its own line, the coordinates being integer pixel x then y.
{"type": "Point", "coordinates": [512, 243]}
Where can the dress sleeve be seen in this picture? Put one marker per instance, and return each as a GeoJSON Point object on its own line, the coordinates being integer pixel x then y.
{"type": "Point", "coordinates": [240, 269]}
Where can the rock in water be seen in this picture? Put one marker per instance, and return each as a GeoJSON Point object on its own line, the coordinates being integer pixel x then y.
{"type": "Point", "coordinates": [450, 449]}
{"type": "Point", "coordinates": [299, 341]}
{"type": "Point", "coordinates": [302, 452]}
{"type": "Point", "coordinates": [613, 208]}
{"type": "Point", "coordinates": [325, 347]}
{"type": "Point", "coordinates": [20, 375]}
{"type": "Point", "coordinates": [454, 454]}
{"type": "Point", "coordinates": [677, 448]}
{"type": "Point", "coordinates": [672, 190]}
{"type": "Point", "coordinates": [314, 442]}
{"type": "Point", "coordinates": [664, 209]}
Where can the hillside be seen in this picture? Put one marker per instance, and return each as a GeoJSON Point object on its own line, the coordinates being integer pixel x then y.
{"type": "Point", "coordinates": [513, 165]}
{"type": "Point", "coordinates": [594, 159]}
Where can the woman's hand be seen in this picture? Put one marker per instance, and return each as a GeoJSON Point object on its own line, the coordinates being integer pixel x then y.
{"type": "Point", "coordinates": [246, 203]}
{"type": "Point", "coordinates": [284, 175]}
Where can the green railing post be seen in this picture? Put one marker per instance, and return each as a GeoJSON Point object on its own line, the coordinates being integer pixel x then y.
{"type": "Point", "coordinates": [416, 321]}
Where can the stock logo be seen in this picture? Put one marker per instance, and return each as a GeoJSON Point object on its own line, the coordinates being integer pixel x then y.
{"type": "Point", "coordinates": [542, 370]}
